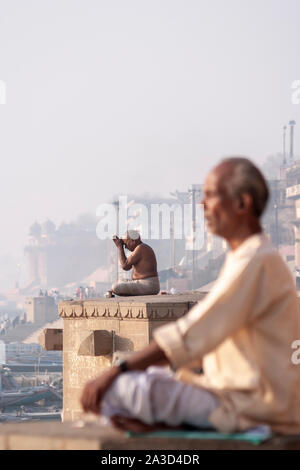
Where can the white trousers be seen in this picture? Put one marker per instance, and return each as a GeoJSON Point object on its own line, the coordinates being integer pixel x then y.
{"type": "Point", "coordinates": [148, 286]}
{"type": "Point", "coordinates": [154, 396]}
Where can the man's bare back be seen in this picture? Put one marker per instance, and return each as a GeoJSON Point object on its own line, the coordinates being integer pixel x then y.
{"type": "Point", "coordinates": [143, 261]}
{"type": "Point", "coordinates": [142, 258]}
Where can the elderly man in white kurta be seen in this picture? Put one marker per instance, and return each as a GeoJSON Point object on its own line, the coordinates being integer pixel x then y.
{"type": "Point", "coordinates": [241, 333]}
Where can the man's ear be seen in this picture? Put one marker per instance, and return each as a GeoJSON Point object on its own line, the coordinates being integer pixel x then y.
{"type": "Point", "coordinates": [246, 202]}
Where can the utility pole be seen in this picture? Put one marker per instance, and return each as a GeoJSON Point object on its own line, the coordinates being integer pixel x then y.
{"type": "Point", "coordinates": [284, 151]}
{"type": "Point", "coordinates": [292, 124]}
{"type": "Point", "coordinates": [276, 217]}
{"type": "Point", "coordinates": [195, 191]}
{"type": "Point", "coordinates": [116, 204]}
{"type": "Point", "coordinates": [193, 235]}
{"type": "Point", "coordinates": [172, 241]}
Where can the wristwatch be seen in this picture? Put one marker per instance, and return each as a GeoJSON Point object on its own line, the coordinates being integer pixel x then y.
{"type": "Point", "coordinates": [123, 365]}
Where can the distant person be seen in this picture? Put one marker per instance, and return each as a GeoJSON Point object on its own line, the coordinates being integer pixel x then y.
{"type": "Point", "coordinates": [81, 293]}
{"type": "Point", "coordinates": [145, 279]}
{"type": "Point", "coordinates": [93, 292]}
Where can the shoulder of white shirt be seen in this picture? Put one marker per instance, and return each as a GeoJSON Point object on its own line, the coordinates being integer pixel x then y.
{"type": "Point", "coordinates": [258, 243]}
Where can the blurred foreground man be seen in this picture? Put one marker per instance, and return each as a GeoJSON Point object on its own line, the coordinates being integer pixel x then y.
{"type": "Point", "coordinates": [241, 333]}
{"type": "Point", "coordinates": [143, 261]}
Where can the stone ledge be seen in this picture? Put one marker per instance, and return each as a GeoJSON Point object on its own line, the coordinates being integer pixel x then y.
{"type": "Point", "coordinates": [54, 436]}
{"type": "Point", "coordinates": [154, 307]}
{"type": "Point", "coordinates": [51, 339]}
{"type": "Point", "coordinates": [66, 436]}
{"type": "Point", "coordinates": [97, 343]}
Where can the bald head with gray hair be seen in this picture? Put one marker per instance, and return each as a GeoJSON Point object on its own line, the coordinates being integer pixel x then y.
{"type": "Point", "coordinates": [242, 176]}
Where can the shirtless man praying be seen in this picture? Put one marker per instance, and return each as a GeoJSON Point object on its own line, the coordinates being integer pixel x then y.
{"type": "Point", "coordinates": [145, 279]}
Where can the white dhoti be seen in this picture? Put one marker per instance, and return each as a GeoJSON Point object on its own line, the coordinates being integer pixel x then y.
{"type": "Point", "coordinates": [148, 286]}
{"type": "Point", "coordinates": [154, 396]}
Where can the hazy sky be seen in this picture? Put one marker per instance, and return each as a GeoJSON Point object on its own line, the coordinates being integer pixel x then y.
{"type": "Point", "coordinates": [118, 96]}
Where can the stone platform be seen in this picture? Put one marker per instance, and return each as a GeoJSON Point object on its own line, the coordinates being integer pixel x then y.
{"type": "Point", "coordinates": [66, 436]}
{"type": "Point", "coordinates": [98, 331]}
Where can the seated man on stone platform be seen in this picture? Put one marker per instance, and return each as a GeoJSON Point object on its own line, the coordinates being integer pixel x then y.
{"type": "Point", "coordinates": [145, 279]}
{"type": "Point", "coordinates": [242, 332]}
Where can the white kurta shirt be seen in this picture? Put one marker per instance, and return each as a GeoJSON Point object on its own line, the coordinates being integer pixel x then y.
{"type": "Point", "coordinates": [243, 332]}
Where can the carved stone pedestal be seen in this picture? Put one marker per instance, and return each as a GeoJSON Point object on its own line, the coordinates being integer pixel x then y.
{"type": "Point", "coordinates": [96, 331]}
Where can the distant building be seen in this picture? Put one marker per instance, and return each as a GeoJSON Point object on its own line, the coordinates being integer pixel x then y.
{"type": "Point", "coordinates": [279, 217]}
{"type": "Point", "coordinates": [57, 257]}
{"type": "Point", "coordinates": [293, 194]}
{"type": "Point", "coordinates": [40, 310]}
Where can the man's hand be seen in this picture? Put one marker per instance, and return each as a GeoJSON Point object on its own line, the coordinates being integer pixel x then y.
{"type": "Point", "coordinates": [117, 241]}
{"type": "Point", "coordinates": [94, 390]}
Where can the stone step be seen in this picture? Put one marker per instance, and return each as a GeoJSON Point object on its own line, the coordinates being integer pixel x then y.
{"type": "Point", "coordinates": [90, 436]}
